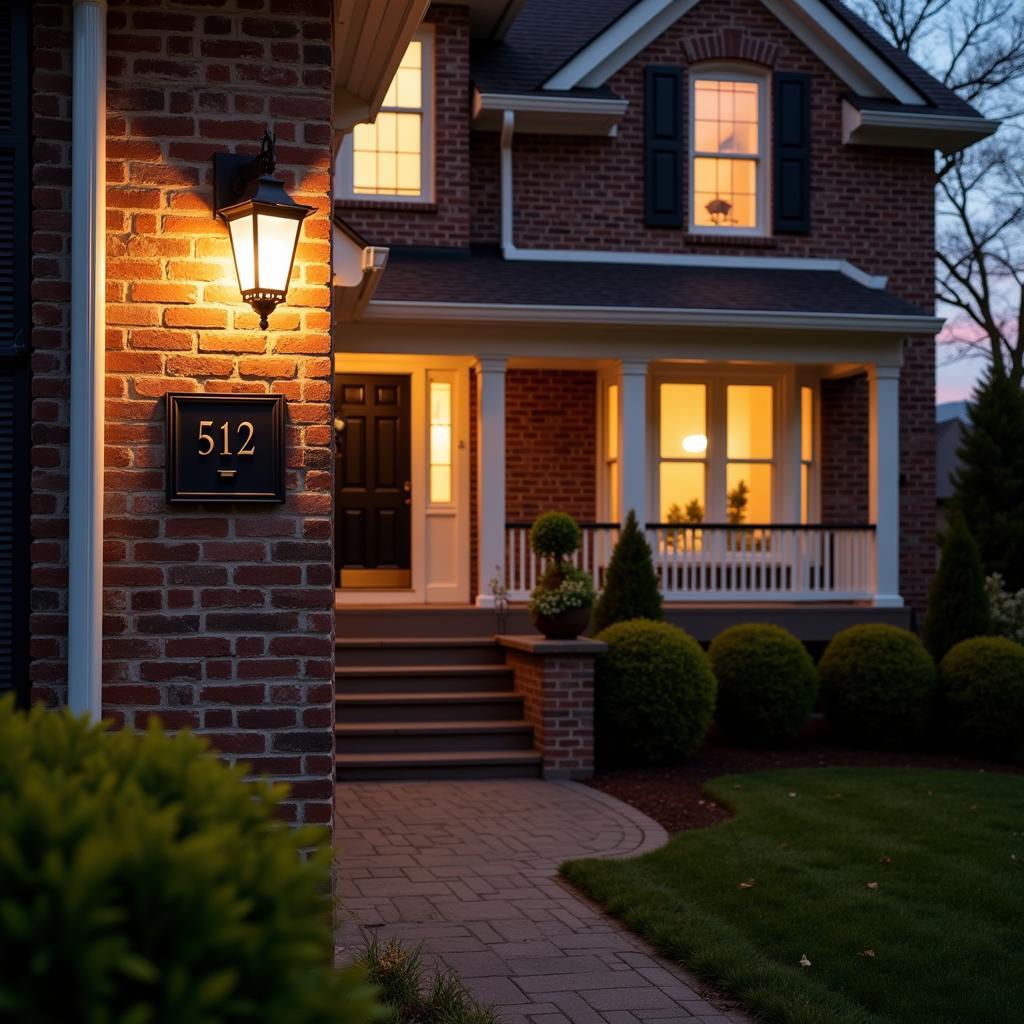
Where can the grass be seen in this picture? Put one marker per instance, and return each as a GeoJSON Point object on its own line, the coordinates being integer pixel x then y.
{"type": "Point", "coordinates": [792, 876]}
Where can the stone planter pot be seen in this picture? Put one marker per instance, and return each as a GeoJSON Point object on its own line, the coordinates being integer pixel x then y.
{"type": "Point", "coordinates": [568, 625]}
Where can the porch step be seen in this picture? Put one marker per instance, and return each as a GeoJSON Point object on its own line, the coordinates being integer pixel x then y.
{"type": "Point", "coordinates": [394, 651]}
{"type": "Point", "coordinates": [434, 736]}
{"type": "Point", "coordinates": [470, 764]}
{"type": "Point", "coordinates": [417, 678]}
{"type": "Point", "coordinates": [437, 706]}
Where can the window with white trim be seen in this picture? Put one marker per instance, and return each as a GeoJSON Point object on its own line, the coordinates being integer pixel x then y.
{"type": "Point", "coordinates": [728, 147]}
{"type": "Point", "coordinates": [611, 449]}
{"type": "Point", "coordinates": [807, 454]}
{"type": "Point", "coordinates": [392, 157]}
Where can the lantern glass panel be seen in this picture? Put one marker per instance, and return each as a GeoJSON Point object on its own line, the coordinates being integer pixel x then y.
{"type": "Point", "coordinates": [242, 247]}
{"type": "Point", "coordinates": [277, 236]}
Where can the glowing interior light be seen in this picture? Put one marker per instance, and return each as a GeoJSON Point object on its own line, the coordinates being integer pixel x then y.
{"type": "Point", "coordinates": [695, 443]}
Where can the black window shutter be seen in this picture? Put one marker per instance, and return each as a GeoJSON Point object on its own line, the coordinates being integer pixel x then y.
{"type": "Point", "coordinates": [664, 129]}
{"type": "Point", "coordinates": [792, 153]}
{"type": "Point", "coordinates": [15, 209]}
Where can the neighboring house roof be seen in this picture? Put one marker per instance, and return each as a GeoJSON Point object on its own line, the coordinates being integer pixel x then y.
{"type": "Point", "coordinates": [480, 277]}
{"type": "Point", "coordinates": [947, 440]}
{"type": "Point", "coordinates": [548, 34]}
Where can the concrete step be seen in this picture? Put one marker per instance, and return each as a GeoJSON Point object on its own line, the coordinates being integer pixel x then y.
{"type": "Point", "coordinates": [412, 650]}
{"type": "Point", "coordinates": [420, 678]}
{"type": "Point", "coordinates": [432, 737]}
{"type": "Point", "coordinates": [430, 706]}
{"type": "Point", "coordinates": [470, 764]}
{"type": "Point", "coordinates": [385, 621]}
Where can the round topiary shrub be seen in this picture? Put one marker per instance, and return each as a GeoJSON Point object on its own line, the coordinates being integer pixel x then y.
{"type": "Point", "coordinates": [144, 880]}
{"type": "Point", "coordinates": [878, 685]}
{"type": "Point", "coordinates": [767, 684]}
{"type": "Point", "coordinates": [981, 686]}
{"type": "Point", "coordinates": [555, 535]}
{"type": "Point", "coordinates": [654, 694]}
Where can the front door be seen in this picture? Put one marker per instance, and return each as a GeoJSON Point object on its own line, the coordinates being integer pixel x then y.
{"type": "Point", "coordinates": [373, 514]}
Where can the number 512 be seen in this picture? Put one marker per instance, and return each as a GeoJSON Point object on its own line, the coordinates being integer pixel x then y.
{"type": "Point", "coordinates": [247, 447]}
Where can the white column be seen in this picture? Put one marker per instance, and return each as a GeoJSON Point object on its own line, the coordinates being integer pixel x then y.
{"type": "Point", "coordinates": [88, 328]}
{"type": "Point", "coordinates": [884, 491]}
{"type": "Point", "coordinates": [633, 440]}
{"type": "Point", "coordinates": [490, 460]}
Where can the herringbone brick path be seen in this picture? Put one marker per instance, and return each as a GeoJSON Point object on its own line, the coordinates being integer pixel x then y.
{"type": "Point", "coordinates": [469, 869]}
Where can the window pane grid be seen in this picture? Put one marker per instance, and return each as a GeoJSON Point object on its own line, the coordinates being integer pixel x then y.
{"type": "Point", "coordinates": [440, 442]}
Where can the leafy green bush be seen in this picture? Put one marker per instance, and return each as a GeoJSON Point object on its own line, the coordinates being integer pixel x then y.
{"type": "Point", "coordinates": [654, 694]}
{"type": "Point", "coordinates": [141, 880]}
{"type": "Point", "coordinates": [981, 685]}
{"type": "Point", "coordinates": [559, 592]}
{"type": "Point", "coordinates": [630, 585]}
{"type": "Point", "coordinates": [767, 683]}
{"type": "Point", "coordinates": [957, 603]}
{"type": "Point", "coordinates": [555, 535]}
{"type": "Point", "coordinates": [1006, 608]}
{"type": "Point", "coordinates": [878, 685]}
{"type": "Point", "coordinates": [410, 998]}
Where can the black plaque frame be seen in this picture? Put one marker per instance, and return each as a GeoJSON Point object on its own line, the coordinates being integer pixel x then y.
{"type": "Point", "coordinates": [180, 461]}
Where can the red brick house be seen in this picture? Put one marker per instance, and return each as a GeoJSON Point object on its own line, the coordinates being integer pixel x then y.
{"type": "Point", "coordinates": [672, 256]}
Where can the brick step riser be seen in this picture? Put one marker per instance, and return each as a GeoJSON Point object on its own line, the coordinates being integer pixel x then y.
{"type": "Point", "coordinates": [387, 657]}
{"type": "Point", "coordinates": [404, 773]}
{"type": "Point", "coordinates": [470, 711]}
{"type": "Point", "coordinates": [437, 743]}
{"type": "Point", "coordinates": [414, 685]}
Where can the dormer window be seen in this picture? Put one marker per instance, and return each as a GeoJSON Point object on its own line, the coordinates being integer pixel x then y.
{"type": "Point", "coordinates": [392, 156]}
{"type": "Point", "coordinates": [728, 169]}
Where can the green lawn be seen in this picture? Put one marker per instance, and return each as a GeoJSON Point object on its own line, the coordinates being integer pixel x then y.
{"type": "Point", "coordinates": [945, 922]}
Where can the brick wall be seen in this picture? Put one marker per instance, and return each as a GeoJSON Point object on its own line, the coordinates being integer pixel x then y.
{"type": "Point", "coordinates": [218, 618]}
{"type": "Point", "coordinates": [844, 450]}
{"type": "Point", "coordinates": [445, 220]}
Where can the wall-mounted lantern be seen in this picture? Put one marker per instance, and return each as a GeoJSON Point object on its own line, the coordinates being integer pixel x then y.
{"type": "Point", "coordinates": [263, 221]}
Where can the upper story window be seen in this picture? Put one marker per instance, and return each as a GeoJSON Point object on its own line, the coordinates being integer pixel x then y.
{"type": "Point", "coordinates": [728, 152]}
{"type": "Point", "coordinates": [392, 157]}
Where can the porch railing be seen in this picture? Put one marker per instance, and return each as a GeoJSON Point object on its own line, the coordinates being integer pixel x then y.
{"type": "Point", "coordinates": [723, 562]}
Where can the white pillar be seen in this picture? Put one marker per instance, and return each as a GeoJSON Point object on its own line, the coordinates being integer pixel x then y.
{"type": "Point", "coordinates": [490, 459]}
{"type": "Point", "coordinates": [633, 440]}
{"type": "Point", "coordinates": [88, 329]}
{"type": "Point", "coordinates": [884, 491]}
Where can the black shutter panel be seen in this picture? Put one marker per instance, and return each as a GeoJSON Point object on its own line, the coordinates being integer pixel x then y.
{"type": "Point", "coordinates": [663, 147]}
{"type": "Point", "coordinates": [14, 331]}
{"type": "Point", "coordinates": [792, 153]}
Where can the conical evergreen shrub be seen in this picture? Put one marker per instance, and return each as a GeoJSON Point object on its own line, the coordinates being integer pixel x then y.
{"type": "Point", "coordinates": [630, 585]}
{"type": "Point", "coordinates": [957, 603]}
{"type": "Point", "coordinates": [989, 485]}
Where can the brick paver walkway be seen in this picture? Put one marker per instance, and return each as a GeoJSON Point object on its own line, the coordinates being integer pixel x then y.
{"type": "Point", "coordinates": [469, 869]}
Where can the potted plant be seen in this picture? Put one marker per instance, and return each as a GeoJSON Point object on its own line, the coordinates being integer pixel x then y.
{"type": "Point", "coordinates": [561, 602]}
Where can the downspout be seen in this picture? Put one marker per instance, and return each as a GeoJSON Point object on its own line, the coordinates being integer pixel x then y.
{"type": "Point", "coordinates": [508, 127]}
{"type": "Point", "coordinates": [88, 339]}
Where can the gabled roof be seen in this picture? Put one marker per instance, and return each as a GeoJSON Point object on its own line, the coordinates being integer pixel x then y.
{"type": "Point", "coordinates": [554, 43]}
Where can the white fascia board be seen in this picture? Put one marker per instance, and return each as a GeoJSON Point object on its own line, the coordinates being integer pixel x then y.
{"type": "Point", "coordinates": [619, 44]}
{"type": "Point", "coordinates": [398, 310]}
{"type": "Point", "coordinates": [549, 115]}
{"type": "Point", "coordinates": [912, 130]}
{"type": "Point", "coordinates": [842, 50]}
{"type": "Point", "coordinates": [664, 259]}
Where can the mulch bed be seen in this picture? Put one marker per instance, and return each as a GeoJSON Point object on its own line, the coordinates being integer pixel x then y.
{"type": "Point", "coordinates": [672, 795]}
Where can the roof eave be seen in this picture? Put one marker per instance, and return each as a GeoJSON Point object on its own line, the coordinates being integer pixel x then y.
{"type": "Point", "coordinates": [538, 114]}
{"type": "Point", "coordinates": [912, 129]}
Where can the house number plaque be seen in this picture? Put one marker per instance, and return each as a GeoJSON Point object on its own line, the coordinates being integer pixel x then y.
{"type": "Point", "coordinates": [225, 448]}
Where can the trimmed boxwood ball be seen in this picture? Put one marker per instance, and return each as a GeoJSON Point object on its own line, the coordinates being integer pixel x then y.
{"type": "Point", "coordinates": [141, 879]}
{"type": "Point", "coordinates": [878, 685]}
{"type": "Point", "coordinates": [767, 683]}
{"type": "Point", "coordinates": [981, 686]}
{"type": "Point", "coordinates": [555, 535]}
{"type": "Point", "coordinates": [654, 694]}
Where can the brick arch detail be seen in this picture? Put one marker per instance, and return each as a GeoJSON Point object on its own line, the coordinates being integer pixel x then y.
{"type": "Point", "coordinates": [729, 44]}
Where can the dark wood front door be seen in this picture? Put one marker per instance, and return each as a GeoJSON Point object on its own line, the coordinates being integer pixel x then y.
{"type": "Point", "coordinates": [373, 515]}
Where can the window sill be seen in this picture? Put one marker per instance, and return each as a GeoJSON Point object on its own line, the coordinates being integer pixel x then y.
{"type": "Point", "coordinates": [733, 241]}
{"type": "Point", "coordinates": [411, 206]}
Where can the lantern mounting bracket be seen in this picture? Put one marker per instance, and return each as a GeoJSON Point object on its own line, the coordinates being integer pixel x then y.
{"type": "Point", "coordinates": [232, 172]}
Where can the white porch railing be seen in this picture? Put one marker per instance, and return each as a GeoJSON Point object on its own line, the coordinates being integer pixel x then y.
{"type": "Point", "coordinates": [708, 562]}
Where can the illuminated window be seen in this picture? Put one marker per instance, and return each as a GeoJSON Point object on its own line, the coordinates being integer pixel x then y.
{"type": "Point", "coordinates": [391, 157]}
{"type": "Point", "coordinates": [611, 449]}
{"type": "Point", "coordinates": [440, 442]}
{"type": "Point", "coordinates": [806, 452]}
{"type": "Point", "coordinates": [683, 452]}
{"type": "Point", "coordinates": [728, 148]}
{"type": "Point", "coordinates": [749, 451]}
